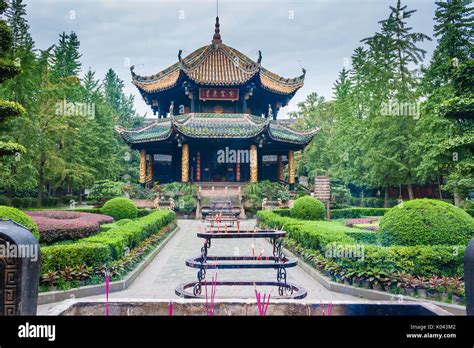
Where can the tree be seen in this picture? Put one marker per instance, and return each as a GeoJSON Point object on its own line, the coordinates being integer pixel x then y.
{"type": "Point", "coordinates": [443, 131]}
{"type": "Point", "coordinates": [8, 70]}
{"type": "Point", "coordinates": [66, 56]}
{"type": "Point", "coordinates": [392, 53]}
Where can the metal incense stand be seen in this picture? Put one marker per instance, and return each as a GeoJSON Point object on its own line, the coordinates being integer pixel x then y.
{"type": "Point", "coordinates": [278, 261]}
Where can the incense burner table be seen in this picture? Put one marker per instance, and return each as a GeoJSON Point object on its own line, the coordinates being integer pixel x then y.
{"type": "Point", "coordinates": [278, 261]}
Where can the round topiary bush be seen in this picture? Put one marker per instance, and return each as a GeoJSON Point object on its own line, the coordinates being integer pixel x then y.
{"type": "Point", "coordinates": [20, 217]}
{"type": "Point", "coordinates": [426, 222]}
{"type": "Point", "coordinates": [120, 208]}
{"type": "Point", "coordinates": [4, 200]}
{"type": "Point", "coordinates": [308, 208]}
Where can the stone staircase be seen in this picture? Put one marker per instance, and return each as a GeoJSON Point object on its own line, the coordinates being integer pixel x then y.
{"type": "Point", "coordinates": [220, 192]}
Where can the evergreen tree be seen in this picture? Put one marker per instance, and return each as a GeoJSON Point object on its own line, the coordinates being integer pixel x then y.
{"type": "Point", "coordinates": [8, 70]}
{"type": "Point", "coordinates": [66, 56]}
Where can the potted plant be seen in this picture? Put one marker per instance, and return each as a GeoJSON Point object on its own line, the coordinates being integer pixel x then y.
{"type": "Point", "coordinates": [445, 284]}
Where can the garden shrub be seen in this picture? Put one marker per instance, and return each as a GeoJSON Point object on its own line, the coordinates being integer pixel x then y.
{"type": "Point", "coordinates": [59, 256]}
{"type": "Point", "coordinates": [19, 217]}
{"type": "Point", "coordinates": [123, 222]}
{"type": "Point", "coordinates": [56, 225]}
{"type": "Point", "coordinates": [470, 212]}
{"type": "Point", "coordinates": [104, 190]}
{"type": "Point", "coordinates": [186, 204]}
{"type": "Point", "coordinates": [282, 212]}
{"type": "Point", "coordinates": [5, 201]}
{"type": "Point", "coordinates": [105, 246]}
{"type": "Point", "coordinates": [311, 234]}
{"type": "Point", "coordinates": [129, 235]}
{"type": "Point", "coordinates": [308, 208]}
{"type": "Point", "coordinates": [18, 202]}
{"type": "Point", "coordinates": [365, 237]}
{"type": "Point", "coordinates": [439, 260]}
{"type": "Point", "coordinates": [426, 222]}
{"type": "Point", "coordinates": [120, 208]}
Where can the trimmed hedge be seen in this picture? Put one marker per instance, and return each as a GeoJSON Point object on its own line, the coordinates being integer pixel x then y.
{"type": "Point", "coordinates": [105, 246]}
{"type": "Point", "coordinates": [354, 213]}
{"type": "Point", "coordinates": [19, 217]}
{"type": "Point", "coordinates": [308, 208]}
{"type": "Point", "coordinates": [440, 260]}
{"type": "Point", "coordinates": [120, 208]}
{"type": "Point", "coordinates": [364, 237]}
{"type": "Point", "coordinates": [426, 222]}
{"type": "Point", "coordinates": [310, 234]}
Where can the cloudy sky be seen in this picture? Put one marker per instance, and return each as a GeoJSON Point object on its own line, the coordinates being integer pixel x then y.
{"type": "Point", "coordinates": [319, 35]}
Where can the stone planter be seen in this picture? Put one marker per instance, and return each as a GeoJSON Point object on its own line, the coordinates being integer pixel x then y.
{"type": "Point", "coordinates": [347, 281]}
{"type": "Point", "coordinates": [378, 287]}
{"type": "Point", "coordinates": [356, 282]}
{"type": "Point", "coordinates": [444, 297]}
{"type": "Point", "coordinates": [422, 293]}
{"type": "Point", "coordinates": [410, 292]}
{"type": "Point", "coordinates": [366, 284]}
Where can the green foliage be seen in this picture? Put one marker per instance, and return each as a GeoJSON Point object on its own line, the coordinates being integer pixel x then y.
{"type": "Point", "coordinates": [310, 234]}
{"type": "Point", "coordinates": [186, 204]}
{"type": "Point", "coordinates": [123, 222]}
{"type": "Point", "coordinates": [426, 222]}
{"type": "Point", "coordinates": [256, 192]}
{"type": "Point", "coordinates": [176, 189]}
{"type": "Point", "coordinates": [308, 208]}
{"type": "Point", "coordinates": [120, 208]}
{"type": "Point", "coordinates": [364, 237]}
{"type": "Point", "coordinates": [19, 217]}
{"type": "Point", "coordinates": [57, 257]}
{"type": "Point", "coordinates": [4, 200]}
{"type": "Point", "coordinates": [103, 190]}
{"type": "Point", "coordinates": [106, 246]}
{"type": "Point", "coordinates": [321, 236]}
{"type": "Point", "coordinates": [354, 213]}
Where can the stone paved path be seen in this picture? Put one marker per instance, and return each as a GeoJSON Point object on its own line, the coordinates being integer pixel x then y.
{"type": "Point", "coordinates": [168, 269]}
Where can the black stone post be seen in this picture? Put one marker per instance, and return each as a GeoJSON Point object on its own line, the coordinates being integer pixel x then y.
{"type": "Point", "coordinates": [469, 277]}
{"type": "Point", "coordinates": [19, 270]}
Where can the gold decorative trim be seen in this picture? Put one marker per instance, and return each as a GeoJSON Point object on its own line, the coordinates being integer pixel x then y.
{"type": "Point", "coordinates": [253, 164]}
{"type": "Point", "coordinates": [185, 163]}
{"type": "Point", "coordinates": [291, 166]}
{"type": "Point", "coordinates": [142, 176]}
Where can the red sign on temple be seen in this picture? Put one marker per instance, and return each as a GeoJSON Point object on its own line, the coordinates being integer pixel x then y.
{"type": "Point", "coordinates": [219, 94]}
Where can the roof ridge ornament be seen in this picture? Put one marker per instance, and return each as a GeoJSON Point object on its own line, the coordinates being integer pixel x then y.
{"type": "Point", "coordinates": [216, 39]}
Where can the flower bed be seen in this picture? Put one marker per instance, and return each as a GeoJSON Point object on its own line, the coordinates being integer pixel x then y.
{"type": "Point", "coordinates": [369, 223]}
{"type": "Point", "coordinates": [55, 225]}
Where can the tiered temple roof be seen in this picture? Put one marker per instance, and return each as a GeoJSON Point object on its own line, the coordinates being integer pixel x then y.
{"type": "Point", "coordinates": [218, 65]}
{"type": "Point", "coordinates": [221, 126]}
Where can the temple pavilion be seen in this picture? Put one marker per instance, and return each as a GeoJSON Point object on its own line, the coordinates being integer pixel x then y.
{"type": "Point", "coordinates": [216, 120]}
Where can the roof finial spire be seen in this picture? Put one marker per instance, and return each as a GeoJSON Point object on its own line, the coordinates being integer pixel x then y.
{"type": "Point", "coordinates": [216, 39]}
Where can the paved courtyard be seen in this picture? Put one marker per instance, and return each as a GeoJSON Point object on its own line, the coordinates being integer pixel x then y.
{"type": "Point", "coordinates": [168, 269]}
